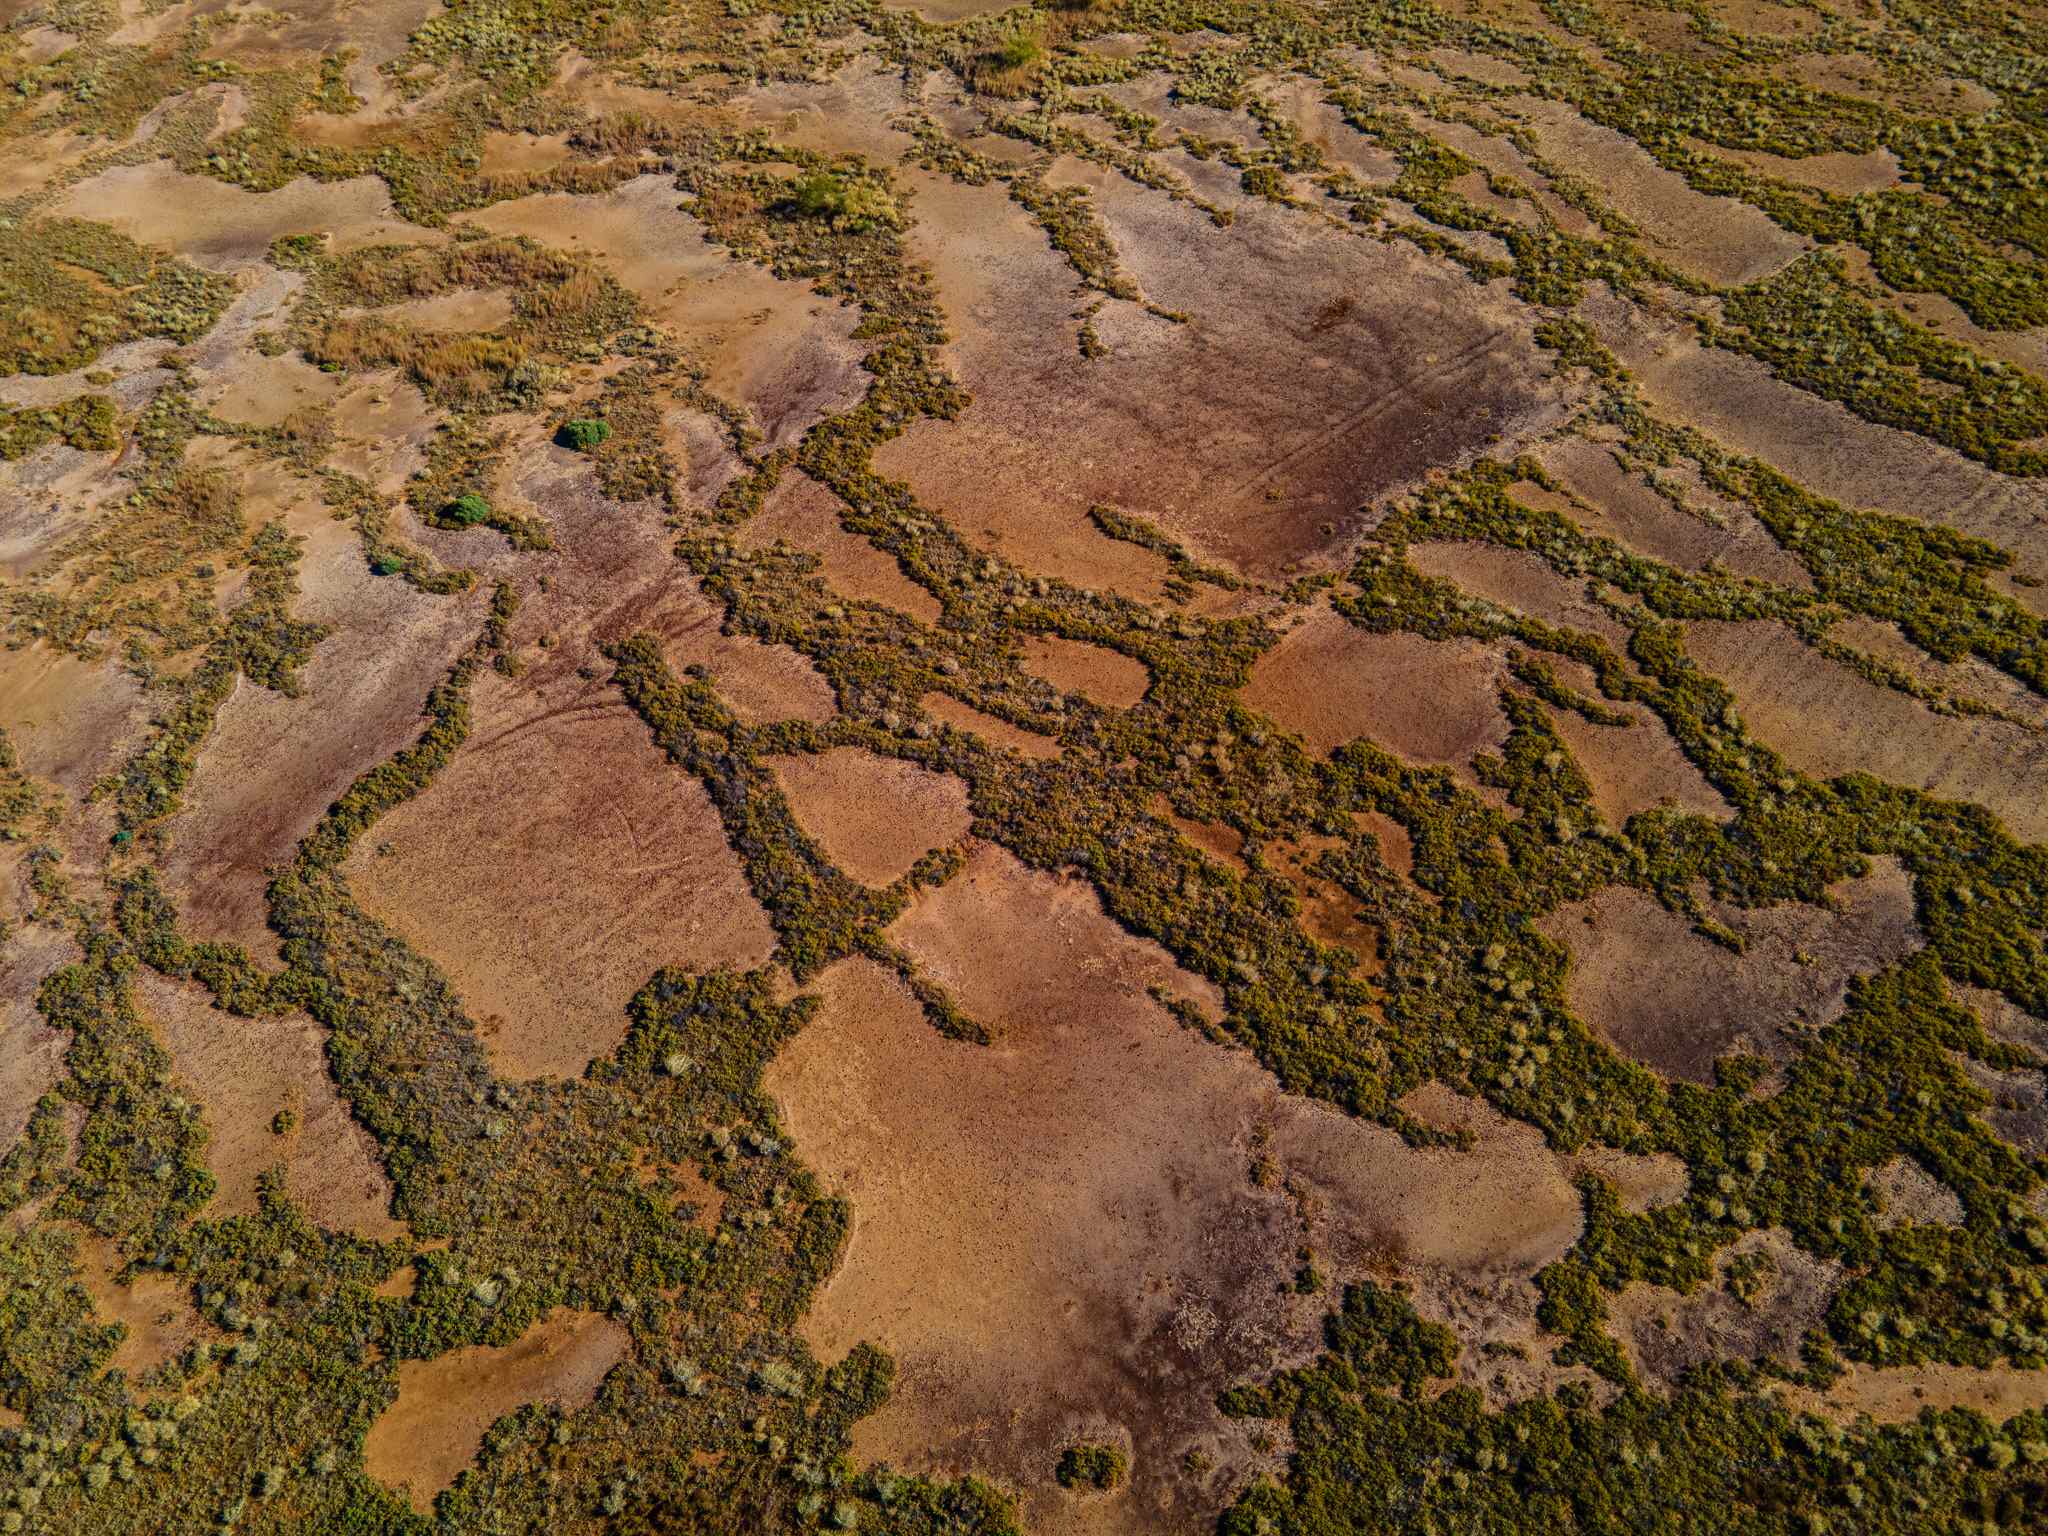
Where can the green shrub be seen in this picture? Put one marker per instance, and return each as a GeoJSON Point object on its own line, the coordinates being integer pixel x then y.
{"type": "Point", "coordinates": [1019, 51]}
{"type": "Point", "coordinates": [584, 433]}
{"type": "Point", "coordinates": [849, 205]}
{"type": "Point", "coordinates": [1100, 1467]}
{"type": "Point", "coordinates": [467, 510]}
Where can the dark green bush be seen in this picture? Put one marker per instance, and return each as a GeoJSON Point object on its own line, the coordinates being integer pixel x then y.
{"type": "Point", "coordinates": [468, 510]}
{"type": "Point", "coordinates": [1100, 1467]}
{"type": "Point", "coordinates": [584, 433]}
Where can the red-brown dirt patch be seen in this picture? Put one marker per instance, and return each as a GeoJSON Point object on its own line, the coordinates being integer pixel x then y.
{"type": "Point", "coordinates": [1256, 431]}
{"type": "Point", "coordinates": [1792, 977]}
{"type": "Point", "coordinates": [1828, 719]}
{"type": "Point", "coordinates": [621, 867]}
{"type": "Point", "coordinates": [1097, 673]}
{"type": "Point", "coordinates": [1055, 1233]}
{"type": "Point", "coordinates": [873, 816]}
{"type": "Point", "coordinates": [432, 1430]}
{"type": "Point", "coordinates": [1431, 701]}
{"type": "Point", "coordinates": [243, 1072]}
{"type": "Point", "coordinates": [806, 515]}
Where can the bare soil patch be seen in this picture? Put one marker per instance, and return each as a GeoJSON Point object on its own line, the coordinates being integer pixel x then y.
{"type": "Point", "coordinates": [1519, 580]}
{"type": "Point", "coordinates": [433, 1429]}
{"type": "Point", "coordinates": [1719, 240]}
{"type": "Point", "coordinates": [1317, 375]}
{"type": "Point", "coordinates": [1907, 1194]}
{"type": "Point", "coordinates": [1055, 1233]}
{"type": "Point", "coordinates": [806, 515]}
{"type": "Point", "coordinates": [31, 1053]}
{"type": "Point", "coordinates": [1431, 701]}
{"type": "Point", "coordinates": [948, 710]}
{"type": "Point", "coordinates": [69, 720]}
{"type": "Point", "coordinates": [770, 345]}
{"type": "Point", "coordinates": [244, 1073]}
{"type": "Point", "coordinates": [1897, 1395]}
{"type": "Point", "coordinates": [273, 763]}
{"type": "Point", "coordinates": [1097, 673]}
{"type": "Point", "coordinates": [156, 1308]}
{"type": "Point", "coordinates": [622, 867]}
{"type": "Point", "coordinates": [262, 391]}
{"type": "Point", "coordinates": [1636, 767]}
{"type": "Point", "coordinates": [1620, 506]}
{"type": "Point", "coordinates": [1667, 1334]}
{"type": "Point", "coordinates": [1828, 720]}
{"type": "Point", "coordinates": [1225, 844]}
{"type": "Point", "coordinates": [1819, 443]}
{"type": "Point", "coordinates": [213, 224]}
{"type": "Point", "coordinates": [874, 816]}
{"type": "Point", "coordinates": [1709, 1001]}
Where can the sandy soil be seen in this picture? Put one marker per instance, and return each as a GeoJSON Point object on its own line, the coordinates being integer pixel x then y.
{"type": "Point", "coordinates": [1708, 1001]}
{"type": "Point", "coordinates": [1898, 1394]}
{"type": "Point", "coordinates": [1828, 720]}
{"type": "Point", "coordinates": [213, 224]}
{"type": "Point", "coordinates": [1907, 1194]}
{"type": "Point", "coordinates": [1823, 445]}
{"type": "Point", "coordinates": [428, 1436]}
{"type": "Point", "coordinates": [1432, 702]}
{"type": "Point", "coordinates": [156, 1309]}
{"type": "Point", "coordinates": [243, 1072]}
{"type": "Point", "coordinates": [70, 720]}
{"type": "Point", "coordinates": [1520, 581]}
{"type": "Point", "coordinates": [1056, 1233]}
{"type": "Point", "coordinates": [873, 816]}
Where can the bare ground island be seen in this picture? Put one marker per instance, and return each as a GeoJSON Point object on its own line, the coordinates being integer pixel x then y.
{"type": "Point", "coordinates": [1087, 768]}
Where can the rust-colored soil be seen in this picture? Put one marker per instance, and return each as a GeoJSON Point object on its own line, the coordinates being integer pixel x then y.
{"type": "Point", "coordinates": [31, 1053]}
{"type": "Point", "coordinates": [1254, 432]}
{"type": "Point", "coordinates": [1056, 1234]}
{"type": "Point", "coordinates": [424, 1440]}
{"type": "Point", "coordinates": [1432, 702]}
{"type": "Point", "coordinates": [1000, 733]}
{"type": "Point", "coordinates": [806, 515]}
{"type": "Point", "coordinates": [1097, 673]}
{"type": "Point", "coordinates": [273, 764]}
{"type": "Point", "coordinates": [549, 911]}
{"type": "Point", "coordinates": [1792, 977]}
{"type": "Point", "coordinates": [873, 816]}
{"type": "Point", "coordinates": [1827, 719]}
{"type": "Point", "coordinates": [243, 1073]}
{"type": "Point", "coordinates": [156, 1308]}
{"type": "Point", "coordinates": [1897, 1395]}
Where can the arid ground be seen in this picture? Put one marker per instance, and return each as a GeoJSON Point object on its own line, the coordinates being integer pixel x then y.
{"type": "Point", "coordinates": [1098, 768]}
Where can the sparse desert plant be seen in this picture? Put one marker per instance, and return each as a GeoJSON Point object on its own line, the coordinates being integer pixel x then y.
{"type": "Point", "coordinates": [1091, 1466]}
{"type": "Point", "coordinates": [849, 204]}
